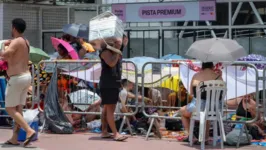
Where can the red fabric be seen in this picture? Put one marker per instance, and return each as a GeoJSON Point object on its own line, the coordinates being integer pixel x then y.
{"type": "Point", "coordinates": [217, 67]}
{"type": "Point", "coordinates": [41, 105]}
{"type": "Point", "coordinates": [3, 65]}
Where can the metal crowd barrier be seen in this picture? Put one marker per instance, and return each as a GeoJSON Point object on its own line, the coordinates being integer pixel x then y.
{"type": "Point", "coordinates": [162, 73]}
{"type": "Point", "coordinates": [85, 73]}
{"type": "Point", "coordinates": [3, 112]}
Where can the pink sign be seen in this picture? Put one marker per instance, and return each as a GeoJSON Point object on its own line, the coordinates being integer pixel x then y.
{"type": "Point", "coordinates": [207, 10]}
{"type": "Point", "coordinates": [170, 11]}
{"type": "Point", "coordinates": [120, 11]}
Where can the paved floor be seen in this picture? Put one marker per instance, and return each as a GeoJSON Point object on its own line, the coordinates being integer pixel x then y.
{"type": "Point", "coordinates": [89, 141]}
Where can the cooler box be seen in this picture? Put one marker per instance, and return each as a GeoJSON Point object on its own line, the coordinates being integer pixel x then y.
{"type": "Point", "coordinates": [22, 134]}
{"type": "Point", "coordinates": [105, 25]}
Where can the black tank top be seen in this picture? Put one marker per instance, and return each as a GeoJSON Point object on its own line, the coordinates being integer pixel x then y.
{"type": "Point", "coordinates": [241, 111]}
{"type": "Point", "coordinates": [203, 92]}
{"type": "Point", "coordinates": [110, 76]}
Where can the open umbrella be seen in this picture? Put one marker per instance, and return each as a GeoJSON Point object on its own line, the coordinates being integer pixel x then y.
{"type": "Point", "coordinates": [73, 54]}
{"type": "Point", "coordinates": [172, 57]}
{"type": "Point", "coordinates": [215, 50]}
{"type": "Point", "coordinates": [37, 55]}
{"type": "Point", "coordinates": [255, 57]}
{"type": "Point", "coordinates": [77, 30]}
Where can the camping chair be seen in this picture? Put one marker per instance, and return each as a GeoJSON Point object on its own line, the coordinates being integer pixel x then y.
{"type": "Point", "coordinates": [215, 93]}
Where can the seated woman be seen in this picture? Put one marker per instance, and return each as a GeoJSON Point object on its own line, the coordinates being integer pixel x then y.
{"type": "Point", "coordinates": [246, 108]}
{"type": "Point", "coordinates": [207, 73]}
{"type": "Point", "coordinates": [77, 118]}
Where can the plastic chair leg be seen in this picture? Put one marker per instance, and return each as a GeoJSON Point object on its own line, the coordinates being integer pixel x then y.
{"type": "Point", "coordinates": [222, 133]}
{"type": "Point", "coordinates": [191, 130]}
{"type": "Point", "coordinates": [215, 134]}
{"type": "Point", "coordinates": [202, 126]}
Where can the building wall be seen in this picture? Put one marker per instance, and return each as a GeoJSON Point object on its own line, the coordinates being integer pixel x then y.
{"type": "Point", "coordinates": [29, 14]}
{"type": "Point", "coordinates": [1, 21]}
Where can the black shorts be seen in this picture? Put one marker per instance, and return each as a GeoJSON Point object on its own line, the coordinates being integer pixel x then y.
{"type": "Point", "coordinates": [109, 95]}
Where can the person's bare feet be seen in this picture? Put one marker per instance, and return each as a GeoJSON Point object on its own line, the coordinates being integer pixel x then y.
{"type": "Point", "coordinates": [106, 135]}
{"type": "Point", "coordinates": [120, 138]}
{"type": "Point", "coordinates": [30, 133]}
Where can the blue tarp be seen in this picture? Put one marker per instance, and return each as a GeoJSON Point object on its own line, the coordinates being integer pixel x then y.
{"type": "Point", "coordinates": [2, 93]}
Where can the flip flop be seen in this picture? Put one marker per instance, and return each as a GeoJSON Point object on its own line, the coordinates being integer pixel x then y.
{"type": "Point", "coordinates": [121, 139]}
{"type": "Point", "coordinates": [28, 140]}
{"type": "Point", "coordinates": [107, 136]}
{"type": "Point", "coordinates": [11, 144]}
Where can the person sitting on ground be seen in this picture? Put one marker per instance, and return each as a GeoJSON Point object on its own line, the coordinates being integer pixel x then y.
{"type": "Point", "coordinates": [246, 108]}
{"type": "Point", "coordinates": [155, 95]}
{"type": "Point", "coordinates": [207, 73]}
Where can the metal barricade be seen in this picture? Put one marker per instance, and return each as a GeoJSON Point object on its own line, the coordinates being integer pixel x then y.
{"type": "Point", "coordinates": [29, 101]}
{"type": "Point", "coordinates": [84, 74]}
{"type": "Point", "coordinates": [230, 76]}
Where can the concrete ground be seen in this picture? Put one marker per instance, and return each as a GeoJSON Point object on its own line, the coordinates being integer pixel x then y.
{"type": "Point", "coordinates": [90, 141]}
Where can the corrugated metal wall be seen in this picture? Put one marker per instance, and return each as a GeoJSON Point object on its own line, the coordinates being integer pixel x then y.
{"type": "Point", "coordinates": [29, 14]}
{"type": "Point", "coordinates": [1, 21]}
{"type": "Point", "coordinates": [52, 18]}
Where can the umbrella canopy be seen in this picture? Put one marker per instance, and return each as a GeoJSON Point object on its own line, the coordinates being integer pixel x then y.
{"type": "Point", "coordinates": [255, 57]}
{"type": "Point", "coordinates": [83, 97]}
{"type": "Point", "coordinates": [172, 57]}
{"type": "Point", "coordinates": [140, 61]}
{"type": "Point", "coordinates": [73, 54]}
{"type": "Point", "coordinates": [37, 55]}
{"type": "Point", "coordinates": [215, 50]}
{"type": "Point", "coordinates": [77, 30]}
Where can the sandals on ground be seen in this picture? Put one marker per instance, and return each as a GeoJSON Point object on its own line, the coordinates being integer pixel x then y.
{"type": "Point", "coordinates": [120, 138]}
{"type": "Point", "coordinates": [28, 140]}
{"type": "Point", "coordinates": [108, 136]}
{"type": "Point", "coordinates": [11, 144]}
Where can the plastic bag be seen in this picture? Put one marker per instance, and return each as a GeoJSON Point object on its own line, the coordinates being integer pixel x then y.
{"type": "Point", "coordinates": [30, 115]}
{"type": "Point", "coordinates": [55, 118]}
{"type": "Point", "coordinates": [94, 124]}
{"type": "Point", "coordinates": [232, 138]}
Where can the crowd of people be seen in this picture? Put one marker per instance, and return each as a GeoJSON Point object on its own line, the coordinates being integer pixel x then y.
{"type": "Point", "coordinates": [116, 93]}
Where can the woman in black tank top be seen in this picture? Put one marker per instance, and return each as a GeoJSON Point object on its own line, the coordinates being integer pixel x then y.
{"type": "Point", "coordinates": [110, 83]}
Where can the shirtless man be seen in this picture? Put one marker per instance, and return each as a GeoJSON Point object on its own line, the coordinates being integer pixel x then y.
{"type": "Point", "coordinates": [19, 79]}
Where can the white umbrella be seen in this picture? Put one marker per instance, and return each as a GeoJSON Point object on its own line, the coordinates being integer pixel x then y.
{"type": "Point", "coordinates": [83, 97]}
{"type": "Point", "coordinates": [216, 50]}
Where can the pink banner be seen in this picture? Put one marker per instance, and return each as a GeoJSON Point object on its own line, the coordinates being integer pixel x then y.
{"type": "Point", "coordinates": [207, 10]}
{"type": "Point", "coordinates": [120, 11]}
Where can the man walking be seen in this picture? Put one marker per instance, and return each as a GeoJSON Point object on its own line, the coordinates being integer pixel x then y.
{"type": "Point", "coordinates": [19, 79]}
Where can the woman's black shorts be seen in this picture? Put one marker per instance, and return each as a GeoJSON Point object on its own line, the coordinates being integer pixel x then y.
{"type": "Point", "coordinates": [109, 95]}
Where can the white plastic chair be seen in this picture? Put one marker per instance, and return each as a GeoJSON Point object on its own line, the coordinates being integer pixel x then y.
{"type": "Point", "coordinates": [215, 93]}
